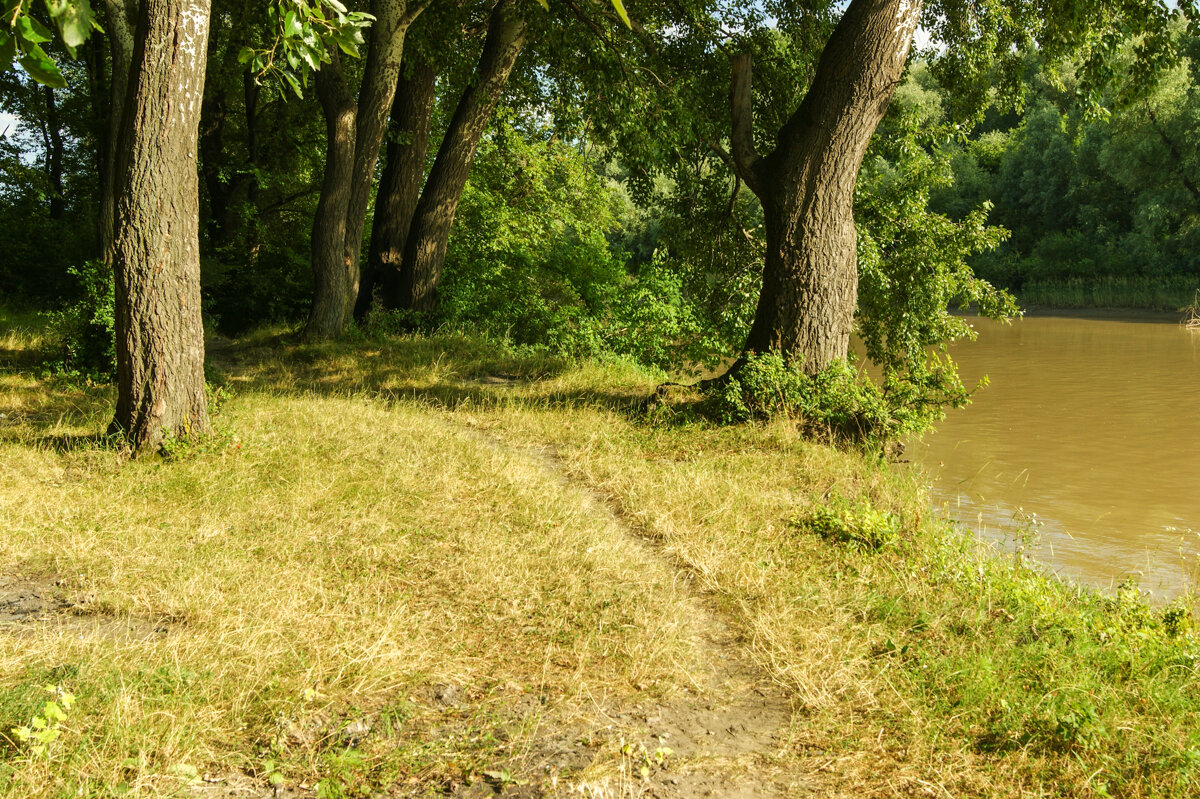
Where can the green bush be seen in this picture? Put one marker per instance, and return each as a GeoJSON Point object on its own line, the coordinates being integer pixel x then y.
{"type": "Point", "coordinates": [861, 527]}
{"type": "Point", "coordinates": [838, 402]}
{"type": "Point", "coordinates": [86, 329]}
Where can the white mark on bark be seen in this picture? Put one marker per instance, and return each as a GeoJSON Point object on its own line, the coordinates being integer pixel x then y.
{"type": "Point", "coordinates": [908, 14]}
{"type": "Point", "coordinates": [193, 35]}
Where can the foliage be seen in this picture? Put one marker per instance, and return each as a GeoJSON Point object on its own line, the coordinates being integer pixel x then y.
{"type": "Point", "coordinates": [837, 403]}
{"type": "Point", "coordinates": [914, 263]}
{"type": "Point", "coordinates": [304, 33]}
{"type": "Point", "coordinates": [86, 329]}
{"type": "Point", "coordinates": [1104, 200]}
{"type": "Point", "coordinates": [45, 727]}
{"type": "Point", "coordinates": [530, 258]}
{"type": "Point", "coordinates": [22, 35]}
{"type": "Point", "coordinates": [863, 526]}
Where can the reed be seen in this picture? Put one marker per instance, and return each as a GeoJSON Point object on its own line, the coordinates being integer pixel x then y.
{"type": "Point", "coordinates": [1166, 293]}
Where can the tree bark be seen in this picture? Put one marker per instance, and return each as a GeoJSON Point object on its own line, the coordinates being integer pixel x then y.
{"type": "Point", "coordinates": [400, 186]}
{"type": "Point", "coordinates": [425, 248]}
{"type": "Point", "coordinates": [346, 190]}
{"type": "Point", "coordinates": [806, 185]}
{"type": "Point", "coordinates": [121, 18]}
{"type": "Point", "coordinates": [331, 267]}
{"type": "Point", "coordinates": [156, 249]}
{"type": "Point", "coordinates": [54, 155]}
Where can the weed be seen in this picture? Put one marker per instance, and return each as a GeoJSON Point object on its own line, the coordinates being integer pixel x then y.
{"type": "Point", "coordinates": [45, 727]}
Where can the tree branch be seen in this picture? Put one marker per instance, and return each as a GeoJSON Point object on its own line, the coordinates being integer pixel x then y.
{"type": "Point", "coordinates": [1176, 157]}
{"type": "Point", "coordinates": [746, 159]}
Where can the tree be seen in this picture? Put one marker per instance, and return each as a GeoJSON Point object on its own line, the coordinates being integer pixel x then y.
{"type": "Point", "coordinates": [410, 281]}
{"type": "Point", "coordinates": [156, 248]}
{"type": "Point", "coordinates": [354, 133]}
{"type": "Point", "coordinates": [158, 69]}
{"type": "Point", "coordinates": [806, 183]}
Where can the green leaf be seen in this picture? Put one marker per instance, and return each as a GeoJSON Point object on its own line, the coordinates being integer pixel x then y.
{"type": "Point", "coordinates": [346, 41]}
{"type": "Point", "coordinates": [545, 4]}
{"type": "Point", "coordinates": [74, 19]}
{"type": "Point", "coordinates": [8, 50]}
{"type": "Point", "coordinates": [292, 25]}
{"type": "Point", "coordinates": [245, 55]}
{"type": "Point", "coordinates": [41, 68]}
{"type": "Point", "coordinates": [53, 713]}
{"type": "Point", "coordinates": [292, 81]}
{"type": "Point", "coordinates": [622, 13]}
{"type": "Point", "coordinates": [31, 31]}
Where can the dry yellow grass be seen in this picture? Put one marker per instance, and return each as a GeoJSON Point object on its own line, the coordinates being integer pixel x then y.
{"type": "Point", "coordinates": [330, 557]}
{"type": "Point", "coordinates": [445, 539]}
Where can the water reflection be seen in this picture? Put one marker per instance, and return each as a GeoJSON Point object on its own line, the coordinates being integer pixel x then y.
{"type": "Point", "coordinates": [1091, 424]}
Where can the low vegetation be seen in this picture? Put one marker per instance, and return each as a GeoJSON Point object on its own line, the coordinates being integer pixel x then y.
{"type": "Point", "coordinates": [411, 562]}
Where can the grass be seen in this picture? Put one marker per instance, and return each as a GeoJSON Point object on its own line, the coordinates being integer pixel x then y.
{"type": "Point", "coordinates": [384, 523]}
{"type": "Point", "coordinates": [1171, 293]}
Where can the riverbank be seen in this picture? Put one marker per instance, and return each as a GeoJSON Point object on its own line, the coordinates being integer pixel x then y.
{"type": "Point", "coordinates": [1170, 294]}
{"type": "Point", "coordinates": [435, 565]}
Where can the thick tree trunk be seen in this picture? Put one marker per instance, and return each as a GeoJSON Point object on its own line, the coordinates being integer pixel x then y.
{"type": "Point", "coordinates": [400, 186]}
{"type": "Point", "coordinates": [348, 189]}
{"type": "Point", "coordinates": [251, 94]}
{"type": "Point", "coordinates": [425, 249]}
{"type": "Point", "coordinates": [156, 249]}
{"type": "Point", "coordinates": [806, 185]}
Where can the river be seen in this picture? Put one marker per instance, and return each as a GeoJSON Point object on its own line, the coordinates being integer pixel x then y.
{"type": "Point", "coordinates": [1092, 424]}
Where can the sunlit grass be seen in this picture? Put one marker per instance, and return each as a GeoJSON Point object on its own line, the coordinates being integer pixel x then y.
{"type": "Point", "coordinates": [378, 518]}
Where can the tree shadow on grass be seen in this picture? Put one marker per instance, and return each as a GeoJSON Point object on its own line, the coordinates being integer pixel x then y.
{"type": "Point", "coordinates": [446, 371]}
{"type": "Point", "coordinates": [54, 412]}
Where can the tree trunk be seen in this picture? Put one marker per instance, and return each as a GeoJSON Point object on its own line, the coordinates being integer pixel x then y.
{"type": "Point", "coordinates": [346, 190]}
{"type": "Point", "coordinates": [251, 94]}
{"type": "Point", "coordinates": [54, 155]}
{"type": "Point", "coordinates": [213, 113]}
{"type": "Point", "coordinates": [400, 186]}
{"type": "Point", "coordinates": [425, 249]}
{"type": "Point", "coordinates": [156, 248]}
{"type": "Point", "coordinates": [121, 18]}
{"type": "Point", "coordinates": [331, 268]}
{"type": "Point", "coordinates": [806, 185]}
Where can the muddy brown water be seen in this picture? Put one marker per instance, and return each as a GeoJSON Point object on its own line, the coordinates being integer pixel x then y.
{"type": "Point", "coordinates": [1092, 424]}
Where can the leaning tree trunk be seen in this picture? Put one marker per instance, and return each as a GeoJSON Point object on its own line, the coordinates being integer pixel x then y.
{"type": "Point", "coordinates": [400, 185]}
{"type": "Point", "coordinates": [806, 185]}
{"type": "Point", "coordinates": [346, 190]}
{"type": "Point", "coordinates": [156, 248]}
{"type": "Point", "coordinates": [425, 249]}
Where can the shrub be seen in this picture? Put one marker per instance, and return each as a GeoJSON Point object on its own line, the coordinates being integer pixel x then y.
{"type": "Point", "coordinates": [861, 527]}
{"type": "Point", "coordinates": [837, 402]}
{"type": "Point", "coordinates": [87, 327]}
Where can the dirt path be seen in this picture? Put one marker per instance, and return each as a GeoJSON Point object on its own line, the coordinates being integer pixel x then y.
{"type": "Point", "coordinates": [725, 732]}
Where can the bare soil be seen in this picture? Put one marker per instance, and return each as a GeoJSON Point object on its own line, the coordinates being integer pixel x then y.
{"type": "Point", "coordinates": [26, 602]}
